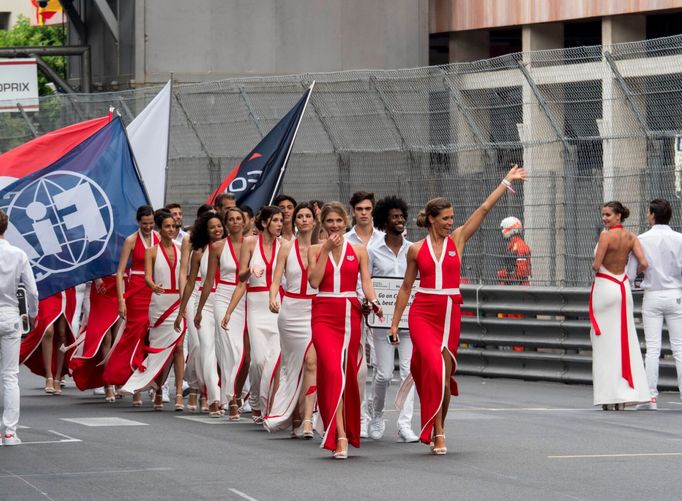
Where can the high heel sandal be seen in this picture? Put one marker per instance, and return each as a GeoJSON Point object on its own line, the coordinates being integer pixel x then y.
{"type": "Point", "coordinates": [307, 435]}
{"type": "Point", "coordinates": [179, 403]}
{"type": "Point", "coordinates": [234, 412]}
{"type": "Point", "coordinates": [158, 401]}
{"type": "Point", "coordinates": [49, 385]}
{"type": "Point", "coordinates": [341, 454]}
{"type": "Point", "coordinates": [58, 383]}
{"type": "Point", "coordinates": [257, 418]}
{"type": "Point", "coordinates": [203, 403]}
{"type": "Point", "coordinates": [192, 401]}
{"type": "Point", "coordinates": [137, 400]}
{"type": "Point", "coordinates": [109, 397]}
{"type": "Point", "coordinates": [214, 410]}
{"type": "Point", "coordinates": [438, 451]}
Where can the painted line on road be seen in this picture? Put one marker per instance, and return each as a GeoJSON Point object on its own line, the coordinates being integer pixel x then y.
{"type": "Point", "coordinates": [626, 455]}
{"type": "Point", "coordinates": [14, 475]}
{"type": "Point", "coordinates": [210, 420]}
{"type": "Point", "coordinates": [104, 421]}
{"type": "Point", "coordinates": [65, 439]}
{"type": "Point", "coordinates": [242, 495]}
{"type": "Point", "coordinates": [521, 409]}
{"type": "Point", "coordinates": [95, 472]}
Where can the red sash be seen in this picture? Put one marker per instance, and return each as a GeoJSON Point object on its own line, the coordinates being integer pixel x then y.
{"type": "Point", "coordinates": [624, 342]}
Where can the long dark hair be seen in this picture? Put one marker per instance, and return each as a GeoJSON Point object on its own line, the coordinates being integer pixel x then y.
{"type": "Point", "coordinates": [199, 235]}
{"type": "Point", "coordinates": [618, 208]}
{"type": "Point", "coordinates": [265, 214]}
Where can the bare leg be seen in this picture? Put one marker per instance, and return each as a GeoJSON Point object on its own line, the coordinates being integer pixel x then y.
{"type": "Point", "coordinates": [341, 445]}
{"type": "Point", "coordinates": [60, 332]}
{"type": "Point", "coordinates": [309, 379]}
{"type": "Point", "coordinates": [439, 424]}
{"type": "Point", "coordinates": [46, 349]}
{"type": "Point", "coordinates": [179, 367]}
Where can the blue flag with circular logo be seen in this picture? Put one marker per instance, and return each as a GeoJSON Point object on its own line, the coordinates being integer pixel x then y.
{"type": "Point", "coordinates": [72, 217]}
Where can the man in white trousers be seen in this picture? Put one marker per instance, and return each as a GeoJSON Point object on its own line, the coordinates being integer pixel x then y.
{"type": "Point", "coordinates": [662, 286]}
{"type": "Point", "coordinates": [14, 270]}
{"type": "Point", "coordinates": [364, 233]}
{"type": "Point", "coordinates": [388, 258]}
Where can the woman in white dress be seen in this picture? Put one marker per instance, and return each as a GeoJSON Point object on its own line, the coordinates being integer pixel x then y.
{"type": "Point", "coordinates": [294, 401]}
{"type": "Point", "coordinates": [257, 268]}
{"type": "Point", "coordinates": [162, 275]}
{"type": "Point", "coordinates": [231, 346]}
{"type": "Point", "coordinates": [208, 229]}
{"type": "Point", "coordinates": [618, 375]}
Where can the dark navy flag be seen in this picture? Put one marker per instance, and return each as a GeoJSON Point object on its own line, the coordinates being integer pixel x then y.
{"type": "Point", "coordinates": [72, 216]}
{"type": "Point", "coordinates": [255, 181]}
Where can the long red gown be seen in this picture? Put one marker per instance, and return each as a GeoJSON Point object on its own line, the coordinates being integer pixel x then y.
{"type": "Point", "coordinates": [336, 321]}
{"type": "Point", "coordinates": [85, 365]}
{"type": "Point", "coordinates": [434, 322]}
{"type": "Point", "coordinates": [126, 351]}
{"type": "Point", "coordinates": [49, 311]}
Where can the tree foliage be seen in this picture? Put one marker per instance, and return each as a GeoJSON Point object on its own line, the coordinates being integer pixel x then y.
{"type": "Point", "coordinates": [22, 34]}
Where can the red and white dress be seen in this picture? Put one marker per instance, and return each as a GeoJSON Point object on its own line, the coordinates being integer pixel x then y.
{"type": "Point", "coordinates": [434, 322]}
{"type": "Point", "coordinates": [162, 337]}
{"type": "Point", "coordinates": [126, 350]}
{"type": "Point", "coordinates": [618, 374]}
{"type": "Point", "coordinates": [207, 362]}
{"type": "Point", "coordinates": [49, 310]}
{"type": "Point", "coordinates": [336, 321]}
{"type": "Point", "coordinates": [295, 337]}
{"type": "Point", "coordinates": [262, 326]}
{"type": "Point", "coordinates": [85, 364]}
{"type": "Point", "coordinates": [229, 343]}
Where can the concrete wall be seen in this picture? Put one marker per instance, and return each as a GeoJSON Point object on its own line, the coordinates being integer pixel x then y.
{"type": "Point", "coordinates": [16, 8]}
{"type": "Point", "coordinates": [213, 39]}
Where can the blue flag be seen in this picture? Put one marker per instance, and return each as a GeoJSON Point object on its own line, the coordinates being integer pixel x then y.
{"type": "Point", "coordinates": [72, 217]}
{"type": "Point", "coordinates": [255, 181]}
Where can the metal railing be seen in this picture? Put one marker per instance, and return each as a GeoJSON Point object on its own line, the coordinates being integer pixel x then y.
{"type": "Point", "coordinates": [552, 328]}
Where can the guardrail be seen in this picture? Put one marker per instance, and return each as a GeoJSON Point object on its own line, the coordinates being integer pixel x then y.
{"type": "Point", "coordinates": [552, 328]}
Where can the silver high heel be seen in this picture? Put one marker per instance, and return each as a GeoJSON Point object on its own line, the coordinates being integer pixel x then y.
{"type": "Point", "coordinates": [438, 451]}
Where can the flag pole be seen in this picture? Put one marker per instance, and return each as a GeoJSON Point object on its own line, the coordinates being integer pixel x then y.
{"type": "Point", "coordinates": [170, 105]}
{"type": "Point", "coordinates": [293, 139]}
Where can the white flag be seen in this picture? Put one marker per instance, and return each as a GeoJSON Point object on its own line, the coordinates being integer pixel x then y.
{"type": "Point", "coordinates": [148, 135]}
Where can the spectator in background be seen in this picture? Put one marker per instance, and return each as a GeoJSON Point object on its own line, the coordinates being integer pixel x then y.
{"type": "Point", "coordinates": [286, 204]}
{"type": "Point", "coordinates": [515, 269]}
{"type": "Point", "coordinates": [662, 286]}
{"type": "Point", "coordinates": [224, 201]}
{"type": "Point", "coordinates": [14, 270]}
{"type": "Point", "coordinates": [176, 210]}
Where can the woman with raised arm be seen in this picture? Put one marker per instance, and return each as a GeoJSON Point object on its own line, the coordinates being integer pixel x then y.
{"type": "Point", "coordinates": [257, 259]}
{"type": "Point", "coordinates": [164, 343]}
{"type": "Point", "coordinates": [618, 375]}
{"type": "Point", "coordinates": [435, 316]}
{"type": "Point", "coordinates": [231, 346]}
{"type": "Point", "coordinates": [333, 269]}
{"type": "Point", "coordinates": [294, 400]}
{"type": "Point", "coordinates": [207, 230]}
{"type": "Point", "coordinates": [133, 303]}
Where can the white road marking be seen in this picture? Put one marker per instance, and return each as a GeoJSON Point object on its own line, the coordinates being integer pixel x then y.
{"type": "Point", "coordinates": [210, 420]}
{"type": "Point", "coordinates": [627, 455]}
{"type": "Point", "coordinates": [65, 439]}
{"type": "Point", "coordinates": [241, 494]}
{"type": "Point", "coordinates": [13, 475]}
{"type": "Point", "coordinates": [104, 421]}
{"type": "Point", "coordinates": [521, 409]}
{"type": "Point", "coordinates": [96, 472]}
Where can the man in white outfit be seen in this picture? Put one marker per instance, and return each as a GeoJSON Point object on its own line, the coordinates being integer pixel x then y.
{"type": "Point", "coordinates": [363, 233]}
{"type": "Point", "coordinates": [662, 286]}
{"type": "Point", "coordinates": [14, 270]}
{"type": "Point", "coordinates": [388, 258]}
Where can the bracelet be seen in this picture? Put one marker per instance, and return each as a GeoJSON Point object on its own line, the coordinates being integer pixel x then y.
{"type": "Point", "coordinates": [507, 185]}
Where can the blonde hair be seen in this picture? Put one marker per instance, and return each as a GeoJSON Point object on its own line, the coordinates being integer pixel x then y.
{"type": "Point", "coordinates": [433, 208]}
{"type": "Point", "coordinates": [337, 207]}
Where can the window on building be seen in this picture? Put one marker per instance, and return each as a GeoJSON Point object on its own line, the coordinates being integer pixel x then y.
{"type": "Point", "coordinates": [663, 25]}
{"type": "Point", "coordinates": [4, 20]}
{"type": "Point", "coordinates": [507, 41]}
{"type": "Point", "coordinates": [582, 37]}
{"type": "Point", "coordinates": [439, 48]}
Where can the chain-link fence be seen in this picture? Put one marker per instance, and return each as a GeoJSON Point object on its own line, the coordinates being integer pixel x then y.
{"type": "Point", "coordinates": [590, 124]}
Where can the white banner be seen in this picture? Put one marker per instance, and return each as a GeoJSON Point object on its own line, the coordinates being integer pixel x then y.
{"type": "Point", "coordinates": [387, 293]}
{"type": "Point", "coordinates": [18, 85]}
{"type": "Point", "coordinates": [148, 135]}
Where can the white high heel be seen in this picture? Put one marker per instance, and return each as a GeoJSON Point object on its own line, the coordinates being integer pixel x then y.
{"type": "Point", "coordinates": [438, 451]}
{"type": "Point", "coordinates": [341, 454]}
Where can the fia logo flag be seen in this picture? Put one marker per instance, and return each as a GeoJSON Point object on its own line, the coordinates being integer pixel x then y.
{"type": "Point", "coordinates": [72, 217]}
{"type": "Point", "coordinates": [255, 181]}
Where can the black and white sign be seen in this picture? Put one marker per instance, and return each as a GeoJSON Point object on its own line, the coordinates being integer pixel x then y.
{"type": "Point", "coordinates": [387, 293]}
{"type": "Point", "coordinates": [18, 85]}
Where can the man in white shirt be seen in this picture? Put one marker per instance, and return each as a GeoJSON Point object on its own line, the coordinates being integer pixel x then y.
{"type": "Point", "coordinates": [14, 270]}
{"type": "Point", "coordinates": [364, 233]}
{"type": "Point", "coordinates": [662, 286]}
{"type": "Point", "coordinates": [388, 258]}
{"type": "Point", "coordinates": [176, 210]}
{"type": "Point", "coordinates": [286, 204]}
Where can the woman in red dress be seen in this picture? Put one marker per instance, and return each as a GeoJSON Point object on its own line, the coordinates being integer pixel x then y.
{"type": "Point", "coordinates": [133, 303]}
{"type": "Point", "coordinates": [333, 269]}
{"type": "Point", "coordinates": [434, 317]}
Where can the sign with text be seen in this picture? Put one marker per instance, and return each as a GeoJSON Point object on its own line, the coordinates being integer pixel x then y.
{"type": "Point", "coordinates": [387, 293]}
{"type": "Point", "coordinates": [18, 85]}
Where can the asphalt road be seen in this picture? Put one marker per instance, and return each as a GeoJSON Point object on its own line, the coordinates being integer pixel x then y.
{"type": "Point", "coordinates": [507, 439]}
